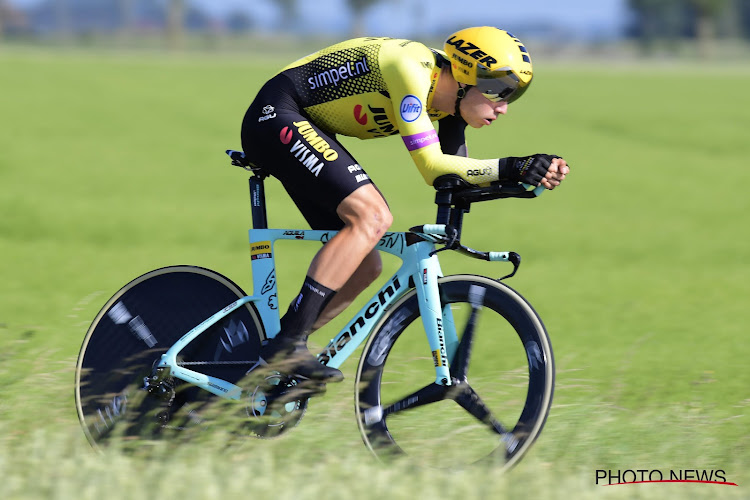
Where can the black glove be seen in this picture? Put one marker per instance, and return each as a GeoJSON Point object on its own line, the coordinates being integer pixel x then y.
{"type": "Point", "coordinates": [528, 169]}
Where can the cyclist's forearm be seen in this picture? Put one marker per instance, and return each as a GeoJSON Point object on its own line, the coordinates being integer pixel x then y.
{"type": "Point", "coordinates": [432, 165]}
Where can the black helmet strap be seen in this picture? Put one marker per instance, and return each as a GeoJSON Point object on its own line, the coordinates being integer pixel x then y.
{"type": "Point", "coordinates": [462, 91]}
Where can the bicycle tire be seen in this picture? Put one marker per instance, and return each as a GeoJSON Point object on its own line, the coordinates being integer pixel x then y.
{"type": "Point", "coordinates": [131, 332]}
{"type": "Point", "coordinates": [382, 399]}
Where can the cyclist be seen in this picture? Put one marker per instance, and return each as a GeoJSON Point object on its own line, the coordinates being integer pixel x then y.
{"type": "Point", "coordinates": [367, 88]}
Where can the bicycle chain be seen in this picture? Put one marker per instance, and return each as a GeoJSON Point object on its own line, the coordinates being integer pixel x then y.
{"type": "Point", "coordinates": [205, 363]}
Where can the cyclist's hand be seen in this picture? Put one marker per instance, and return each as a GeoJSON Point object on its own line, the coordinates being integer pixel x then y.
{"type": "Point", "coordinates": [540, 169]}
{"type": "Point", "coordinates": [556, 173]}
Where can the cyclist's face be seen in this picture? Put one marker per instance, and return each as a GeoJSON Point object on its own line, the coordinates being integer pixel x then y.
{"type": "Point", "coordinates": [479, 111]}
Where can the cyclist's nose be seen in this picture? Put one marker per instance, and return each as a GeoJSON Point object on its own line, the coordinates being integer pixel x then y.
{"type": "Point", "coordinates": [501, 108]}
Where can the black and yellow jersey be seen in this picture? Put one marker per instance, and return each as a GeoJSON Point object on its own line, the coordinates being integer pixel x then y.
{"type": "Point", "coordinates": [377, 87]}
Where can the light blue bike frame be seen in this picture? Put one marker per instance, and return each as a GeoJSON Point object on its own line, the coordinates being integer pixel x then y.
{"type": "Point", "coordinates": [420, 267]}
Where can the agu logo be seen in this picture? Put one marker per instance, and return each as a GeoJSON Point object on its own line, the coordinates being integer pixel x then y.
{"type": "Point", "coordinates": [411, 108]}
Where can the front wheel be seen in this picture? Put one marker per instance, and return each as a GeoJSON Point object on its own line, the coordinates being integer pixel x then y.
{"type": "Point", "coordinates": [502, 373]}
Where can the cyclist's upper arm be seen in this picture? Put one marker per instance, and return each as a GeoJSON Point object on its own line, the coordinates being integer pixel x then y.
{"type": "Point", "coordinates": [407, 72]}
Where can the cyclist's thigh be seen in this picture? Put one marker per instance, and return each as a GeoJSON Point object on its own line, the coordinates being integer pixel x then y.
{"type": "Point", "coordinates": [315, 169]}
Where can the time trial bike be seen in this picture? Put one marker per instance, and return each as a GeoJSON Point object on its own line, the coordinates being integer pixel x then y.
{"type": "Point", "coordinates": [459, 364]}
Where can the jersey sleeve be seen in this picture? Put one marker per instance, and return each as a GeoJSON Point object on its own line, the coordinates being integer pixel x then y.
{"type": "Point", "coordinates": [407, 73]}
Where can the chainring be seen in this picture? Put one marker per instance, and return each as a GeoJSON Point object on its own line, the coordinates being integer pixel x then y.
{"type": "Point", "coordinates": [277, 404]}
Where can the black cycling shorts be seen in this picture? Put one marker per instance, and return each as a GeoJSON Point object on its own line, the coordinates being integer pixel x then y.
{"type": "Point", "coordinates": [314, 168]}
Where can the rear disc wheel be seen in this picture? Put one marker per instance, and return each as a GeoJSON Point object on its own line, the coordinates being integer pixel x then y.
{"type": "Point", "coordinates": [114, 397]}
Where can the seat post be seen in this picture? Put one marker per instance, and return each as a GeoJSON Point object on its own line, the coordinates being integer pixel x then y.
{"type": "Point", "coordinates": [258, 202]}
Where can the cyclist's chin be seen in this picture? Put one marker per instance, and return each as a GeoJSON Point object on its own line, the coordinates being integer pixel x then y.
{"type": "Point", "coordinates": [481, 122]}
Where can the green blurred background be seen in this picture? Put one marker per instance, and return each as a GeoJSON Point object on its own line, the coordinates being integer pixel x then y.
{"type": "Point", "coordinates": [112, 164]}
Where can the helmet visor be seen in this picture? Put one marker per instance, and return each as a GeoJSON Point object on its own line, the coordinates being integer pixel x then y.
{"type": "Point", "coordinates": [499, 85]}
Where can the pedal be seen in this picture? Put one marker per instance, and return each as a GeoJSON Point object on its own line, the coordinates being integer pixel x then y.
{"type": "Point", "coordinates": [300, 389]}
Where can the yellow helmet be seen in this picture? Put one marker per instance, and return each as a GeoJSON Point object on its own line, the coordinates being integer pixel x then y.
{"type": "Point", "coordinates": [491, 59]}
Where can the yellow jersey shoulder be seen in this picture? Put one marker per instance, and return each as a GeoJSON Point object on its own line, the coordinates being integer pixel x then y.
{"type": "Point", "coordinates": [349, 88]}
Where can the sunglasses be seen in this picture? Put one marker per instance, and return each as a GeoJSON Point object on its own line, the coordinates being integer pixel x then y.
{"type": "Point", "coordinates": [499, 85]}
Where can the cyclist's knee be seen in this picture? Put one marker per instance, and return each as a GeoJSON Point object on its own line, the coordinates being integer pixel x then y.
{"type": "Point", "coordinates": [366, 211]}
{"type": "Point", "coordinates": [381, 221]}
{"type": "Point", "coordinates": [376, 223]}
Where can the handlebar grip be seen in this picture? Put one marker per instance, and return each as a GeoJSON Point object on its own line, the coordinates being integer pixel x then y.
{"type": "Point", "coordinates": [538, 190]}
{"type": "Point", "coordinates": [433, 229]}
{"type": "Point", "coordinates": [499, 256]}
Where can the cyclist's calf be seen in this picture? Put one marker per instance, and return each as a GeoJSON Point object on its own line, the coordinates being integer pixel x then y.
{"type": "Point", "coordinates": [367, 272]}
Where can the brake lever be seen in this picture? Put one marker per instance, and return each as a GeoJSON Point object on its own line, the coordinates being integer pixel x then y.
{"type": "Point", "coordinates": [514, 259]}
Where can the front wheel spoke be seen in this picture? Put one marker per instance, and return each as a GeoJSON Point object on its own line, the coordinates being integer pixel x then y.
{"type": "Point", "coordinates": [470, 401]}
{"type": "Point", "coordinates": [426, 395]}
{"type": "Point", "coordinates": [460, 367]}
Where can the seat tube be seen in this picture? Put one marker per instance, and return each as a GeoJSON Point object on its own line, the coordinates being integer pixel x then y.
{"type": "Point", "coordinates": [432, 315]}
{"type": "Point", "coordinates": [258, 203]}
{"type": "Point", "coordinates": [263, 262]}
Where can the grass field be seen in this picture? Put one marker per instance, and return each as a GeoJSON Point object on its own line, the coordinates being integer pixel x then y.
{"type": "Point", "coordinates": [113, 165]}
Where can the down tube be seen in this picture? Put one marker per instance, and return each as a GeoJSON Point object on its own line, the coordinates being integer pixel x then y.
{"type": "Point", "coordinates": [359, 328]}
